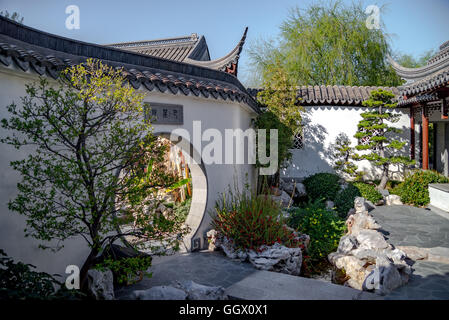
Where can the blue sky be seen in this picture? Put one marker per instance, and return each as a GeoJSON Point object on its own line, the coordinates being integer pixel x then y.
{"type": "Point", "coordinates": [415, 26]}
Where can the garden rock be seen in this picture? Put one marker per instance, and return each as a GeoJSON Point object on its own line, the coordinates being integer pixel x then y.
{"type": "Point", "coordinates": [360, 205]}
{"type": "Point", "coordinates": [101, 284]}
{"type": "Point", "coordinates": [360, 221]}
{"type": "Point", "coordinates": [371, 239]}
{"type": "Point", "coordinates": [369, 261]}
{"type": "Point", "coordinates": [212, 238]}
{"type": "Point", "coordinates": [393, 200]}
{"type": "Point", "coordinates": [197, 291]}
{"type": "Point", "coordinates": [277, 258]}
{"type": "Point", "coordinates": [160, 293]}
{"type": "Point", "coordinates": [283, 199]}
{"type": "Point", "coordinates": [347, 244]}
{"type": "Point", "coordinates": [230, 251]}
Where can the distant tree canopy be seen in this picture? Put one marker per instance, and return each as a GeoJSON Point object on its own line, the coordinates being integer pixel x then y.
{"type": "Point", "coordinates": [327, 44]}
{"type": "Point", "coordinates": [409, 61]}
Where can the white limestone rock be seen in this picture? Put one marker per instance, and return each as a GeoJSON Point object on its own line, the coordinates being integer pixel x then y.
{"type": "Point", "coordinates": [101, 284]}
{"type": "Point", "coordinates": [212, 239]}
{"type": "Point", "coordinates": [347, 244]}
{"type": "Point", "coordinates": [371, 239]}
{"type": "Point", "coordinates": [230, 251]}
{"type": "Point", "coordinates": [197, 291]}
{"type": "Point", "coordinates": [277, 258]}
{"type": "Point", "coordinates": [360, 205]}
{"type": "Point", "coordinates": [160, 293]}
{"type": "Point", "coordinates": [393, 200]}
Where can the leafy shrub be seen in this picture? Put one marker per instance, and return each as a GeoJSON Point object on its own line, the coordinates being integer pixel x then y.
{"type": "Point", "coordinates": [369, 192]}
{"type": "Point", "coordinates": [322, 186]}
{"type": "Point", "coordinates": [19, 281]}
{"type": "Point", "coordinates": [323, 226]}
{"type": "Point", "coordinates": [126, 269]}
{"type": "Point", "coordinates": [249, 221]}
{"type": "Point", "coordinates": [414, 190]}
{"type": "Point", "coordinates": [345, 199]}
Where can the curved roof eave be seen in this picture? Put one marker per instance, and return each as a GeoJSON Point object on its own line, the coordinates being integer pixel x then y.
{"type": "Point", "coordinates": [226, 61]}
{"type": "Point", "coordinates": [45, 52]}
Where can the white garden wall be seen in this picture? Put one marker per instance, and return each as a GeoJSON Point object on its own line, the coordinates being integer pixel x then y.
{"type": "Point", "coordinates": [217, 114]}
{"type": "Point", "coordinates": [322, 124]}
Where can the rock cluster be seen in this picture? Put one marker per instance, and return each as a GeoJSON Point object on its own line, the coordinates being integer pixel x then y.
{"type": "Point", "coordinates": [277, 258]}
{"type": "Point", "coordinates": [184, 290]}
{"type": "Point", "coordinates": [368, 260]}
{"type": "Point", "coordinates": [101, 284]}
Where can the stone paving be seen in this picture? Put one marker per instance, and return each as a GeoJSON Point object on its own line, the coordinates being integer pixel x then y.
{"type": "Point", "coordinates": [205, 267]}
{"type": "Point", "coordinates": [410, 226]}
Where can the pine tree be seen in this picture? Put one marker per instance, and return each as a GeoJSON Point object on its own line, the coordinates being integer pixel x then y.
{"type": "Point", "coordinates": [344, 157]}
{"type": "Point", "coordinates": [378, 135]}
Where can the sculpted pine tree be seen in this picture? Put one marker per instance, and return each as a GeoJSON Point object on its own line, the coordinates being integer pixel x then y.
{"type": "Point", "coordinates": [92, 150]}
{"type": "Point", "coordinates": [376, 136]}
{"type": "Point", "coordinates": [345, 157]}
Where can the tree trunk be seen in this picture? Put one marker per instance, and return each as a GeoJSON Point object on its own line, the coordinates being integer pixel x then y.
{"type": "Point", "coordinates": [85, 268]}
{"type": "Point", "coordinates": [384, 179]}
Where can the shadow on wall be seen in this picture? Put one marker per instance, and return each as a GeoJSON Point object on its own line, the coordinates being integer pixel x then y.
{"type": "Point", "coordinates": [318, 152]}
{"type": "Point", "coordinates": [312, 157]}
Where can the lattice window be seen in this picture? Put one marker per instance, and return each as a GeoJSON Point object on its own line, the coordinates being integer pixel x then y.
{"type": "Point", "coordinates": [298, 140]}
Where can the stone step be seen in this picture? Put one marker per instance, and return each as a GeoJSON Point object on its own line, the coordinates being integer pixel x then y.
{"type": "Point", "coordinates": [266, 285]}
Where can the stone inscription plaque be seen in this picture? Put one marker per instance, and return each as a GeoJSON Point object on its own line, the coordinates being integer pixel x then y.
{"type": "Point", "coordinates": [161, 113]}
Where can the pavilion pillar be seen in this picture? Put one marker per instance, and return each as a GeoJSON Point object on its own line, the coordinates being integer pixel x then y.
{"type": "Point", "coordinates": [425, 138]}
{"type": "Point", "coordinates": [412, 134]}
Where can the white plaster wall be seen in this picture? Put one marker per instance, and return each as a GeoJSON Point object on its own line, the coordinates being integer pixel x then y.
{"type": "Point", "coordinates": [217, 114]}
{"type": "Point", "coordinates": [322, 124]}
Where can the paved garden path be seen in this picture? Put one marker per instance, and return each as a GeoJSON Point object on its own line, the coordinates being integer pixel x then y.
{"type": "Point", "coordinates": [409, 226]}
{"type": "Point", "coordinates": [205, 267]}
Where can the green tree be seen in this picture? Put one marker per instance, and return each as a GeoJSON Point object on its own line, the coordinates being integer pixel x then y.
{"type": "Point", "coordinates": [327, 44]}
{"type": "Point", "coordinates": [94, 156]}
{"type": "Point", "coordinates": [282, 113]}
{"type": "Point", "coordinates": [376, 136]}
{"type": "Point", "coordinates": [345, 157]}
{"type": "Point", "coordinates": [409, 61]}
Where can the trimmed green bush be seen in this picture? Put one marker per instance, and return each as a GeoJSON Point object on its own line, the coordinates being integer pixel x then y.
{"type": "Point", "coordinates": [323, 226]}
{"type": "Point", "coordinates": [322, 186]}
{"type": "Point", "coordinates": [345, 199]}
{"type": "Point", "coordinates": [368, 191]}
{"type": "Point", "coordinates": [414, 190]}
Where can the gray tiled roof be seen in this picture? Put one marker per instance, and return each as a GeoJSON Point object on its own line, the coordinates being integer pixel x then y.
{"type": "Point", "coordinates": [333, 95]}
{"type": "Point", "coordinates": [176, 49]}
{"type": "Point", "coordinates": [44, 53]}
{"type": "Point", "coordinates": [190, 49]}
{"type": "Point", "coordinates": [423, 80]}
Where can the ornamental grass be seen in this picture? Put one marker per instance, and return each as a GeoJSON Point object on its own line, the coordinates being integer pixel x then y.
{"type": "Point", "coordinates": [250, 221]}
